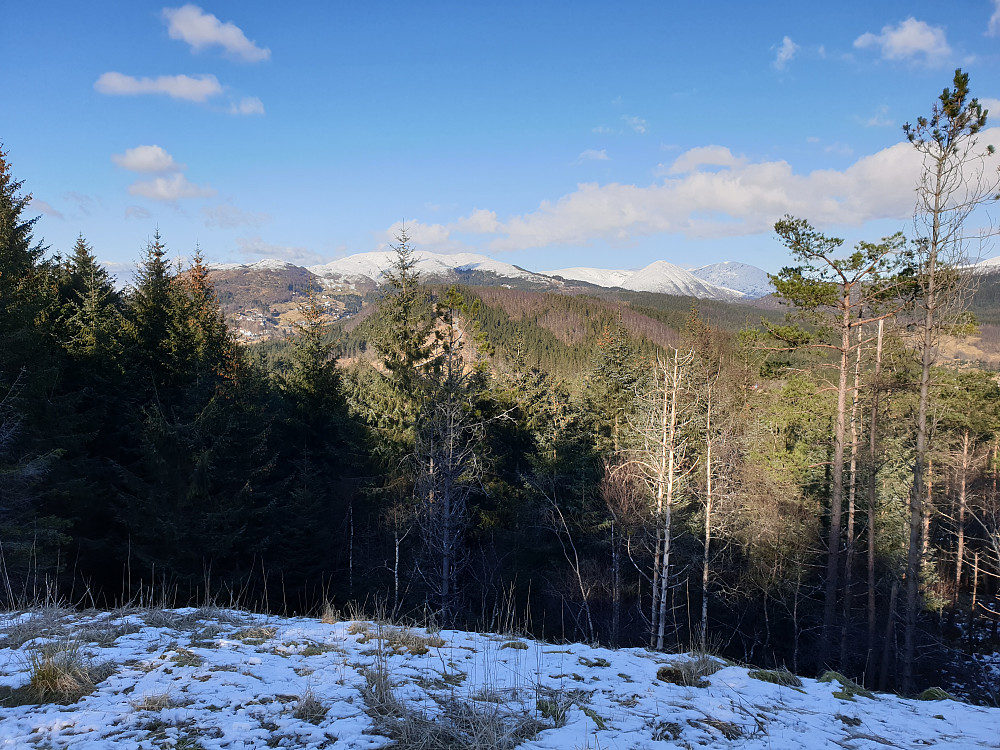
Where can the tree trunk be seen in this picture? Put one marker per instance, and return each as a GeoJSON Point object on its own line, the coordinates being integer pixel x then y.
{"type": "Point", "coordinates": [872, 488]}
{"type": "Point", "coordinates": [887, 644]}
{"type": "Point", "coordinates": [851, 496]}
{"type": "Point", "coordinates": [708, 519]}
{"type": "Point", "coordinates": [913, 556]}
{"type": "Point", "coordinates": [960, 547]}
{"type": "Point", "coordinates": [837, 490]}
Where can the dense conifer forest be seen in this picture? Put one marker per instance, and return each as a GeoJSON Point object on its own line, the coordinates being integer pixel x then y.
{"type": "Point", "coordinates": [812, 490]}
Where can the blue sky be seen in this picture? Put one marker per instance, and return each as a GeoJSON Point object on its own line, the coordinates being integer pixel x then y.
{"type": "Point", "coordinates": [544, 134]}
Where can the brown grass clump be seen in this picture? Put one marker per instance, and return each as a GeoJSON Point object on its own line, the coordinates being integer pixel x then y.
{"type": "Point", "coordinates": [59, 672]}
{"type": "Point", "coordinates": [310, 708]}
{"type": "Point", "coordinates": [689, 673]}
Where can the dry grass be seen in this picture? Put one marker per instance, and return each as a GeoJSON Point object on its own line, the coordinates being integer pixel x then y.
{"type": "Point", "coordinates": [155, 703]}
{"type": "Point", "coordinates": [690, 672]}
{"type": "Point", "coordinates": [18, 628]}
{"type": "Point", "coordinates": [330, 615]}
{"type": "Point", "coordinates": [461, 725]}
{"type": "Point", "coordinates": [310, 708]}
{"type": "Point", "coordinates": [256, 635]}
{"type": "Point", "coordinates": [59, 672]}
{"type": "Point", "coordinates": [395, 638]}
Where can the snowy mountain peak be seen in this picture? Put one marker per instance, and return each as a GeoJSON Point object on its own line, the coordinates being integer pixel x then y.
{"type": "Point", "coordinates": [659, 276]}
{"type": "Point", "coordinates": [750, 280]}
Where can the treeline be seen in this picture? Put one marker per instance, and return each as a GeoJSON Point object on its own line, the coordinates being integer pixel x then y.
{"type": "Point", "coordinates": [813, 492]}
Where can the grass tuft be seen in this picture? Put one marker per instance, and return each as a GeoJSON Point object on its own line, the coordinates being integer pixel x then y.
{"type": "Point", "coordinates": [310, 708]}
{"type": "Point", "coordinates": [690, 672]}
{"type": "Point", "coordinates": [849, 688]}
{"type": "Point", "coordinates": [776, 676]}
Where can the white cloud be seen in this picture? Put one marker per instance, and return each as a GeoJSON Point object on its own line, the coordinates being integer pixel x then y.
{"type": "Point", "coordinates": [710, 156]}
{"type": "Point", "coordinates": [480, 221]}
{"type": "Point", "coordinates": [742, 199]}
{"type": "Point", "coordinates": [436, 237]}
{"type": "Point", "coordinates": [146, 159]}
{"type": "Point", "coordinates": [170, 189]}
{"type": "Point", "coordinates": [636, 123]}
{"type": "Point", "coordinates": [712, 193]}
{"type": "Point", "coordinates": [786, 52]}
{"type": "Point", "coordinates": [910, 39]}
{"type": "Point", "coordinates": [592, 154]}
{"type": "Point", "coordinates": [192, 89]}
{"type": "Point", "coordinates": [37, 204]}
{"type": "Point", "coordinates": [993, 29]}
{"type": "Point", "coordinates": [191, 24]}
{"type": "Point", "coordinates": [255, 248]}
{"type": "Point", "coordinates": [248, 105]}
{"type": "Point", "coordinates": [993, 105]}
{"type": "Point", "coordinates": [227, 217]}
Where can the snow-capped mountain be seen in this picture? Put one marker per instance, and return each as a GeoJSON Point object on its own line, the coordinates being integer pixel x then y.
{"type": "Point", "coordinates": [373, 266]}
{"type": "Point", "coordinates": [990, 265]}
{"type": "Point", "coordinates": [659, 276]}
{"type": "Point", "coordinates": [742, 277]}
{"type": "Point", "coordinates": [365, 271]}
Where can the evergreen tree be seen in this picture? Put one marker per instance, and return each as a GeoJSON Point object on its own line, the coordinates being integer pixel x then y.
{"type": "Point", "coordinates": [955, 181]}
{"type": "Point", "coordinates": [149, 305]}
{"type": "Point", "coordinates": [837, 297]}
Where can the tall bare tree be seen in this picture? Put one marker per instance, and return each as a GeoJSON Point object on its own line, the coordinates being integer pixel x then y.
{"type": "Point", "coordinates": [658, 456]}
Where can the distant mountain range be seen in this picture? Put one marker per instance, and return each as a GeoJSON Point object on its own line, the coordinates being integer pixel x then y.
{"type": "Point", "coordinates": [366, 271]}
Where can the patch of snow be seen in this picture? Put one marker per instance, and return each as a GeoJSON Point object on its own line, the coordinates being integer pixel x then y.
{"type": "Point", "coordinates": [221, 680]}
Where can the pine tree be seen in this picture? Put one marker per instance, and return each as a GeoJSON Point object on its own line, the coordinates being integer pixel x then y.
{"type": "Point", "coordinates": [956, 180]}
{"type": "Point", "coordinates": [837, 297]}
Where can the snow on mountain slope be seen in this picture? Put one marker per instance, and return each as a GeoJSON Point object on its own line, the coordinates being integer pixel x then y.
{"type": "Point", "coordinates": [375, 264]}
{"type": "Point", "coordinates": [267, 264]}
{"type": "Point", "coordinates": [222, 679]}
{"type": "Point", "coordinates": [659, 276]}
{"type": "Point", "coordinates": [595, 276]}
{"type": "Point", "coordinates": [742, 277]}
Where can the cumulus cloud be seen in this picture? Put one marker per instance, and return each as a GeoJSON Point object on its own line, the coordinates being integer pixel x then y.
{"type": "Point", "coordinates": [191, 24]}
{"type": "Point", "coordinates": [592, 154]}
{"type": "Point", "coordinates": [248, 105]}
{"type": "Point", "coordinates": [227, 216]}
{"type": "Point", "coordinates": [707, 193]}
{"type": "Point", "coordinates": [37, 204]}
{"type": "Point", "coordinates": [993, 29]}
{"type": "Point", "coordinates": [146, 159]}
{"type": "Point", "coordinates": [910, 39]}
{"type": "Point", "coordinates": [193, 89]}
{"type": "Point", "coordinates": [170, 189]}
{"type": "Point", "coordinates": [480, 221]}
{"type": "Point", "coordinates": [786, 52]}
{"type": "Point", "coordinates": [436, 237]}
{"type": "Point", "coordinates": [705, 156]}
{"type": "Point", "coordinates": [255, 248]}
{"type": "Point", "coordinates": [636, 123]}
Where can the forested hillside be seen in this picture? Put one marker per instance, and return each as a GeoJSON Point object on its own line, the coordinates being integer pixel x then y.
{"type": "Point", "coordinates": [812, 489]}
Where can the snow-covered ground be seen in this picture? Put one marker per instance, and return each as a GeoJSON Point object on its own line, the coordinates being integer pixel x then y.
{"type": "Point", "coordinates": [203, 679]}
